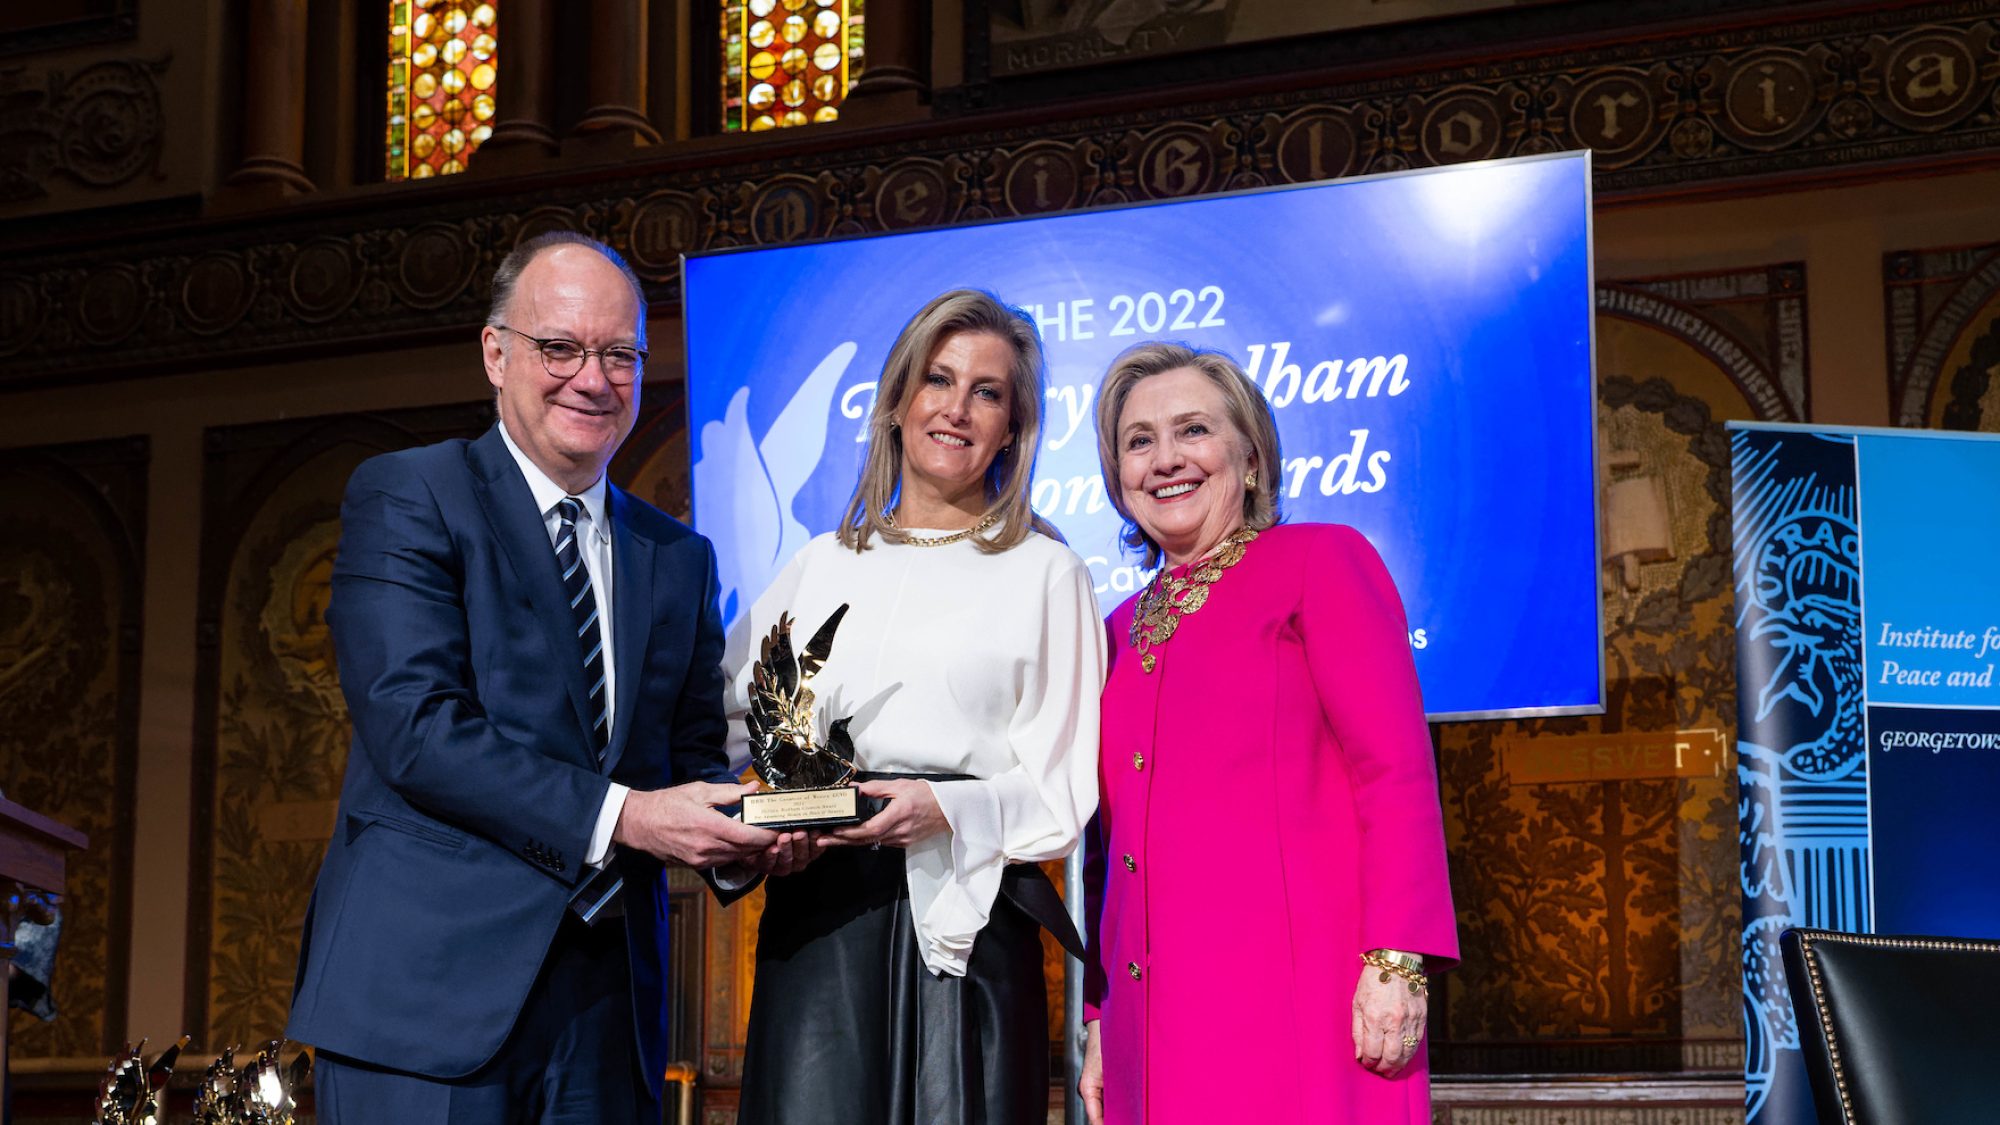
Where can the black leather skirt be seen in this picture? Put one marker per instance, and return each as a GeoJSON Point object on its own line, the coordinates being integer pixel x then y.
{"type": "Point", "coordinates": [847, 1027]}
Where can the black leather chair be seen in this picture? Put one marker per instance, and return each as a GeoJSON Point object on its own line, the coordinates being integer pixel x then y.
{"type": "Point", "coordinates": [1897, 1030]}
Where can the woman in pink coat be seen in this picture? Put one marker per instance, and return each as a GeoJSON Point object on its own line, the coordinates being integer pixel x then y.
{"type": "Point", "coordinates": [1268, 875]}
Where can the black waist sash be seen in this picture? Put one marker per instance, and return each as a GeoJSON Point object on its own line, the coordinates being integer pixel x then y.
{"type": "Point", "coordinates": [1025, 885]}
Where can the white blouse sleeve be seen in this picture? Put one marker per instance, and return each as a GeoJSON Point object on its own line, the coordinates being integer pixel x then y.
{"type": "Point", "coordinates": [1035, 810]}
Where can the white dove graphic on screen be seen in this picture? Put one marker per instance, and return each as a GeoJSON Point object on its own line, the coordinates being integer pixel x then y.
{"type": "Point", "coordinates": [744, 487]}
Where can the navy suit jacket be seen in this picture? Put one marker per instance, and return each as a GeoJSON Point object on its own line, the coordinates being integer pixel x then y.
{"type": "Point", "coordinates": [471, 786]}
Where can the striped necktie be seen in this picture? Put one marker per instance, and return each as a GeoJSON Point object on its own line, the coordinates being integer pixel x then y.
{"type": "Point", "coordinates": [583, 609]}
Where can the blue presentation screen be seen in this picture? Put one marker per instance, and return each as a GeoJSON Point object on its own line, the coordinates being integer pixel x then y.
{"type": "Point", "coordinates": [1424, 339]}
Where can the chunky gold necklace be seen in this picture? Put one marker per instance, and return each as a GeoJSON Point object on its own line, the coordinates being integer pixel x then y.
{"type": "Point", "coordinates": [985, 522]}
{"type": "Point", "coordinates": [1168, 599]}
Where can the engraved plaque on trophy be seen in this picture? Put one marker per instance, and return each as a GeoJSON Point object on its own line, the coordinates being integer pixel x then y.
{"type": "Point", "coordinates": [809, 783]}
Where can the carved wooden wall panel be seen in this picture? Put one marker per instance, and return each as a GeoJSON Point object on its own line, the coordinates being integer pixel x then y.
{"type": "Point", "coordinates": [1944, 337]}
{"type": "Point", "coordinates": [1867, 88]}
{"type": "Point", "coordinates": [1600, 922]}
{"type": "Point", "coordinates": [72, 557]}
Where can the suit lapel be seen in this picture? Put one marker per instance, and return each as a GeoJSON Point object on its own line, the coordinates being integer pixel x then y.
{"type": "Point", "coordinates": [518, 527]}
{"type": "Point", "coordinates": [631, 617]}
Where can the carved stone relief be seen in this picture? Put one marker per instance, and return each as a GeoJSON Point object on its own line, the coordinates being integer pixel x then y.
{"type": "Point", "coordinates": [99, 126]}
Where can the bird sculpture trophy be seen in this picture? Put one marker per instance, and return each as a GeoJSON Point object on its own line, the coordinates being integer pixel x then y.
{"type": "Point", "coordinates": [268, 1089]}
{"type": "Point", "coordinates": [219, 1098]}
{"type": "Point", "coordinates": [130, 1092]}
{"type": "Point", "coordinates": [264, 1092]}
{"type": "Point", "coordinates": [809, 783]}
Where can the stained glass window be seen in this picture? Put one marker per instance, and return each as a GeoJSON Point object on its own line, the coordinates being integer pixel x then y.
{"type": "Point", "coordinates": [787, 62]}
{"type": "Point", "coordinates": [443, 67]}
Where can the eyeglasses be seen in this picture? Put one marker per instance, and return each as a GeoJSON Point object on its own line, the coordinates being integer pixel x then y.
{"type": "Point", "coordinates": [564, 358]}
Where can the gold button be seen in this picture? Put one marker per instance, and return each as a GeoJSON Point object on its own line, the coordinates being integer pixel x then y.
{"type": "Point", "coordinates": [1133, 968]}
{"type": "Point", "coordinates": [1130, 863]}
{"type": "Point", "coordinates": [1138, 761]}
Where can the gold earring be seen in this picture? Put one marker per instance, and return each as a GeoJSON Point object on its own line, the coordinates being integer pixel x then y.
{"type": "Point", "coordinates": [1250, 480]}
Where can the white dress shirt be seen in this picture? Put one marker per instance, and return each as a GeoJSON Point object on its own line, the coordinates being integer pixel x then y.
{"type": "Point", "coordinates": [951, 660]}
{"type": "Point", "coordinates": [593, 533]}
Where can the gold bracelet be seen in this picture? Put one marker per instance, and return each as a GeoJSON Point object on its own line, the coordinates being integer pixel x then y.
{"type": "Point", "coordinates": [1419, 981]}
{"type": "Point", "coordinates": [1411, 960]}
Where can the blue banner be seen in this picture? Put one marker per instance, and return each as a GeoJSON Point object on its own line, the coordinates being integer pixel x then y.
{"type": "Point", "coordinates": [1424, 338]}
{"type": "Point", "coordinates": [1868, 625]}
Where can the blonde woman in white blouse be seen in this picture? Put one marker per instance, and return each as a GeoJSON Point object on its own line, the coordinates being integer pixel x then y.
{"type": "Point", "coordinates": [899, 963]}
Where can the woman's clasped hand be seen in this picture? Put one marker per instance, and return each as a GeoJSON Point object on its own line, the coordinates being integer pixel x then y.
{"type": "Point", "coordinates": [911, 815]}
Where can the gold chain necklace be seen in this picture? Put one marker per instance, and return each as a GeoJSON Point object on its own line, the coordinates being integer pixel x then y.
{"type": "Point", "coordinates": [1168, 599]}
{"type": "Point", "coordinates": [985, 522]}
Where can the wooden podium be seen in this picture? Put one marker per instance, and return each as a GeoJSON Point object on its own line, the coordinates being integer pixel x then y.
{"type": "Point", "coordinates": [34, 857]}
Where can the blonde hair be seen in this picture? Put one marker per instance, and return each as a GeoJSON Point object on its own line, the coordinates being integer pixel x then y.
{"type": "Point", "coordinates": [1244, 405]}
{"type": "Point", "coordinates": [1010, 477]}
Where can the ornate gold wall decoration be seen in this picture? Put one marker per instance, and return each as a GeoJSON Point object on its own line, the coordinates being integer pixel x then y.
{"type": "Point", "coordinates": [1770, 100]}
{"type": "Point", "coordinates": [100, 126]}
{"type": "Point", "coordinates": [1944, 337]}
{"type": "Point", "coordinates": [72, 537]}
{"type": "Point", "coordinates": [1749, 324]}
{"type": "Point", "coordinates": [1600, 925]}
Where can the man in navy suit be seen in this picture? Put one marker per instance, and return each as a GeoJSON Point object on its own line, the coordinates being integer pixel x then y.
{"type": "Point", "coordinates": [531, 658]}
